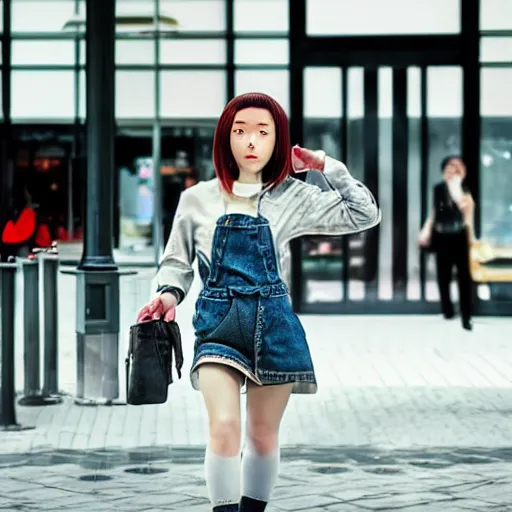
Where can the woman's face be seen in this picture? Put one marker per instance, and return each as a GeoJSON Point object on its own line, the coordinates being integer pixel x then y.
{"type": "Point", "coordinates": [455, 167]}
{"type": "Point", "coordinates": [253, 138]}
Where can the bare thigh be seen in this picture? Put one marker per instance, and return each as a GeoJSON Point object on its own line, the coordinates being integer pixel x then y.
{"type": "Point", "coordinates": [220, 386]}
{"type": "Point", "coordinates": [265, 410]}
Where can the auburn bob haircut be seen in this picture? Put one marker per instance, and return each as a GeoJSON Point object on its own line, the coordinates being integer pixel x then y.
{"type": "Point", "coordinates": [279, 165]}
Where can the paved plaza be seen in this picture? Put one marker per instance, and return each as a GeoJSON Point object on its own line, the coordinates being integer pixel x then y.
{"type": "Point", "coordinates": [412, 414]}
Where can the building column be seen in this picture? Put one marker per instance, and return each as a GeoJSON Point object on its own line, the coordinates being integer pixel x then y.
{"type": "Point", "coordinates": [97, 291]}
{"type": "Point", "coordinates": [297, 37]}
{"type": "Point", "coordinates": [100, 91]}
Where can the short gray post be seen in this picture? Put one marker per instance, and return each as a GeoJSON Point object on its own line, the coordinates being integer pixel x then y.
{"type": "Point", "coordinates": [33, 396]}
{"type": "Point", "coordinates": [32, 392]}
{"type": "Point", "coordinates": [31, 326]}
{"type": "Point", "coordinates": [50, 266]}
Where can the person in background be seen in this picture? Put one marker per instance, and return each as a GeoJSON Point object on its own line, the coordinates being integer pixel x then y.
{"type": "Point", "coordinates": [448, 232]}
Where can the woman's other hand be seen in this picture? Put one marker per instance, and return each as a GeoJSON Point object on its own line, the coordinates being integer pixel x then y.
{"type": "Point", "coordinates": [163, 306]}
{"type": "Point", "coordinates": [305, 159]}
{"type": "Point", "coordinates": [424, 239]}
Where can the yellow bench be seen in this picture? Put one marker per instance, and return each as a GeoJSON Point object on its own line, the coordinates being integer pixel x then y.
{"type": "Point", "coordinates": [481, 260]}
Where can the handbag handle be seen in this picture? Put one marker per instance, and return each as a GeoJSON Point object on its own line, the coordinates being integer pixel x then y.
{"type": "Point", "coordinates": [127, 378]}
{"type": "Point", "coordinates": [175, 347]}
{"type": "Point", "coordinates": [127, 362]}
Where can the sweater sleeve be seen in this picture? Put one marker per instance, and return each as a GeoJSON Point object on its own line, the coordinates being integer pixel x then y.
{"type": "Point", "coordinates": [337, 204]}
{"type": "Point", "coordinates": [175, 272]}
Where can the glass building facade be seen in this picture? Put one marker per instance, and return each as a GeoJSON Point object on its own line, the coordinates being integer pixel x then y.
{"type": "Point", "coordinates": [362, 80]}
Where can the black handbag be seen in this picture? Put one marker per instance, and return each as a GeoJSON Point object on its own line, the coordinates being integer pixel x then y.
{"type": "Point", "coordinates": [149, 361]}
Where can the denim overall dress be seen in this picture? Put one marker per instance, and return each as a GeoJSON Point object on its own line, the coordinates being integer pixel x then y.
{"type": "Point", "coordinates": [243, 316]}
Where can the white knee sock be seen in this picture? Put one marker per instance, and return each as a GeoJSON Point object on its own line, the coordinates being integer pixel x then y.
{"type": "Point", "coordinates": [259, 472]}
{"type": "Point", "coordinates": [222, 478]}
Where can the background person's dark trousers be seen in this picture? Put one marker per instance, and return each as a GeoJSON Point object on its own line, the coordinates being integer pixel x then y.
{"type": "Point", "coordinates": [453, 251]}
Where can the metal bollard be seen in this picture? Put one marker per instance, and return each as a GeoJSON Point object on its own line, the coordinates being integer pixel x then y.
{"type": "Point", "coordinates": [7, 317]}
{"type": "Point", "coordinates": [33, 396]}
{"type": "Point", "coordinates": [50, 265]}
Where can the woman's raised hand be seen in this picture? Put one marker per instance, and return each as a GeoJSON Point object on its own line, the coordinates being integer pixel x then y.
{"type": "Point", "coordinates": [162, 306]}
{"type": "Point", "coordinates": [466, 204]}
{"type": "Point", "coordinates": [305, 159]}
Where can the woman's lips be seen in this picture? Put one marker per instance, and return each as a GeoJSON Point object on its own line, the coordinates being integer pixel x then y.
{"type": "Point", "coordinates": [251, 157]}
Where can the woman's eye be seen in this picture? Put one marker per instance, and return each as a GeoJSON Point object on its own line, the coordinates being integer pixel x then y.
{"type": "Point", "coordinates": [263, 132]}
{"type": "Point", "coordinates": [239, 131]}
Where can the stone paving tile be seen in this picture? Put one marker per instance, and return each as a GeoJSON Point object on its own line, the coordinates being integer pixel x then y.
{"type": "Point", "coordinates": [394, 417]}
{"type": "Point", "coordinates": [71, 486]}
{"type": "Point", "coordinates": [409, 410]}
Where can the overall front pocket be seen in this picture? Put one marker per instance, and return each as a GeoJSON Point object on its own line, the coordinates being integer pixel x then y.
{"type": "Point", "coordinates": [209, 315]}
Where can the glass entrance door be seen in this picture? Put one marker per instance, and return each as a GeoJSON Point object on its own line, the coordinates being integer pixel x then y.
{"type": "Point", "coordinates": [392, 126]}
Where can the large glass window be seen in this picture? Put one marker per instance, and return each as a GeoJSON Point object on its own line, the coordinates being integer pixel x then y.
{"type": "Point", "coordinates": [41, 16]}
{"type": "Point", "coordinates": [414, 191]}
{"type": "Point", "coordinates": [183, 51]}
{"type": "Point", "coordinates": [495, 14]}
{"type": "Point", "coordinates": [444, 98]}
{"type": "Point", "coordinates": [261, 16]}
{"type": "Point", "coordinates": [134, 6]}
{"type": "Point", "coordinates": [182, 94]}
{"type": "Point", "coordinates": [262, 51]}
{"type": "Point", "coordinates": [346, 17]}
{"type": "Point", "coordinates": [186, 158]}
{"type": "Point", "coordinates": [387, 198]}
{"type": "Point", "coordinates": [43, 52]}
{"type": "Point", "coordinates": [128, 51]}
{"type": "Point", "coordinates": [369, 265]}
{"type": "Point", "coordinates": [192, 94]}
{"type": "Point", "coordinates": [496, 156]}
{"type": "Point", "coordinates": [322, 93]}
{"type": "Point", "coordinates": [271, 82]}
{"type": "Point", "coordinates": [135, 51]}
{"type": "Point", "coordinates": [82, 96]}
{"type": "Point", "coordinates": [135, 94]}
{"type": "Point", "coordinates": [196, 15]}
{"type": "Point", "coordinates": [322, 256]}
{"type": "Point", "coordinates": [41, 95]}
{"type": "Point", "coordinates": [444, 112]}
{"type": "Point", "coordinates": [496, 49]}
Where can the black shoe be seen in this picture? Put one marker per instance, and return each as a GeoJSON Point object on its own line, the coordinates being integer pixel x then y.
{"type": "Point", "coordinates": [467, 324]}
{"type": "Point", "coordinates": [226, 508]}
{"type": "Point", "coordinates": [251, 505]}
{"type": "Point", "coordinates": [449, 315]}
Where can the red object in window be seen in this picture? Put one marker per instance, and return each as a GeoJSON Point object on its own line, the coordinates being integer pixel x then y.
{"type": "Point", "coordinates": [62, 234]}
{"type": "Point", "coordinates": [43, 238]}
{"type": "Point", "coordinates": [21, 230]}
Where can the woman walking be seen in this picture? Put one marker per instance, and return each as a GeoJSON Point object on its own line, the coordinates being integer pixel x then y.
{"type": "Point", "coordinates": [449, 231]}
{"type": "Point", "coordinates": [239, 226]}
